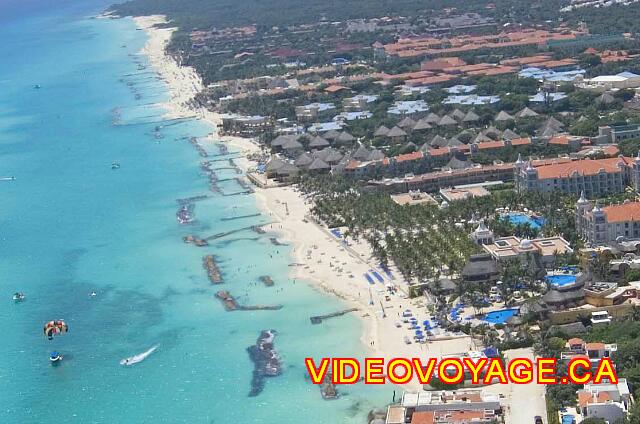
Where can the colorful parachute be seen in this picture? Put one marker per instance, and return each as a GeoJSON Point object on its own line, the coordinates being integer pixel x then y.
{"type": "Point", "coordinates": [53, 328]}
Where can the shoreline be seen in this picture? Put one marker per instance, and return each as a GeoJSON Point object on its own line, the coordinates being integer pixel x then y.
{"type": "Point", "coordinates": [325, 263]}
{"type": "Point", "coordinates": [183, 83]}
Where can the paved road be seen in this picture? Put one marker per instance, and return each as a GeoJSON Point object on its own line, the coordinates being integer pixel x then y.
{"type": "Point", "coordinates": [525, 400]}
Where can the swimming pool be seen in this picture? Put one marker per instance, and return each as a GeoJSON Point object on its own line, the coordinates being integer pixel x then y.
{"type": "Point", "coordinates": [501, 316]}
{"type": "Point", "coordinates": [561, 280]}
{"type": "Point", "coordinates": [520, 218]}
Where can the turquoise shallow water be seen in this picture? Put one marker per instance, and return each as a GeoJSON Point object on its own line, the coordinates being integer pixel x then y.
{"type": "Point", "coordinates": [71, 225]}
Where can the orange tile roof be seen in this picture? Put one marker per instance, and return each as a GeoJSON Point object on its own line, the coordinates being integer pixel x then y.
{"type": "Point", "coordinates": [597, 346]}
{"type": "Point", "coordinates": [575, 341]}
{"type": "Point", "coordinates": [622, 213]}
{"type": "Point", "coordinates": [422, 417]}
{"type": "Point", "coordinates": [562, 140]}
{"type": "Point", "coordinates": [467, 68]}
{"type": "Point", "coordinates": [525, 60]}
{"type": "Point", "coordinates": [498, 70]}
{"type": "Point", "coordinates": [439, 151]}
{"type": "Point", "coordinates": [582, 167]}
{"type": "Point", "coordinates": [553, 63]}
{"type": "Point", "coordinates": [611, 150]}
{"type": "Point", "coordinates": [520, 141]}
{"type": "Point", "coordinates": [585, 398]}
{"type": "Point", "coordinates": [408, 75]}
{"type": "Point", "coordinates": [487, 169]}
{"type": "Point", "coordinates": [409, 156]}
{"type": "Point", "coordinates": [461, 416]}
{"type": "Point", "coordinates": [490, 145]}
{"type": "Point", "coordinates": [437, 79]}
{"type": "Point", "coordinates": [407, 47]}
{"type": "Point", "coordinates": [441, 63]}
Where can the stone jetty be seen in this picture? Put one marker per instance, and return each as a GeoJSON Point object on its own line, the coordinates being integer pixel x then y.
{"type": "Point", "coordinates": [213, 272]}
{"type": "Point", "coordinates": [228, 301]}
{"type": "Point", "coordinates": [195, 240]}
{"type": "Point", "coordinates": [319, 318]}
{"type": "Point", "coordinates": [266, 361]}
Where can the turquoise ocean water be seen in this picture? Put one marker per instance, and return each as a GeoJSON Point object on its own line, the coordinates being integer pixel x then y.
{"type": "Point", "coordinates": [71, 225]}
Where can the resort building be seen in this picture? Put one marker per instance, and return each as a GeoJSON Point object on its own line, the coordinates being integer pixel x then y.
{"type": "Point", "coordinates": [564, 296]}
{"type": "Point", "coordinates": [594, 351]}
{"type": "Point", "coordinates": [311, 111]}
{"type": "Point", "coordinates": [482, 235]}
{"type": "Point", "coordinates": [463, 192]}
{"type": "Point", "coordinates": [617, 133]}
{"type": "Point", "coordinates": [609, 82]}
{"type": "Point", "coordinates": [601, 225]}
{"type": "Point", "coordinates": [447, 407]}
{"type": "Point", "coordinates": [546, 249]}
{"type": "Point", "coordinates": [250, 126]}
{"type": "Point", "coordinates": [620, 267]}
{"type": "Point", "coordinates": [480, 268]}
{"type": "Point", "coordinates": [434, 181]}
{"type": "Point", "coordinates": [413, 198]}
{"type": "Point", "coordinates": [608, 401]}
{"type": "Point", "coordinates": [608, 294]}
{"type": "Point", "coordinates": [595, 178]}
{"type": "Point", "coordinates": [358, 103]}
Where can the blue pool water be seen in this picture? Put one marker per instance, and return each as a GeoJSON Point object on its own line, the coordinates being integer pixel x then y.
{"type": "Point", "coordinates": [520, 218]}
{"type": "Point", "coordinates": [561, 280]}
{"type": "Point", "coordinates": [501, 316]}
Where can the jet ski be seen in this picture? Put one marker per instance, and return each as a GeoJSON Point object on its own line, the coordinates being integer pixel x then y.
{"type": "Point", "coordinates": [115, 165]}
{"type": "Point", "coordinates": [55, 357]}
{"type": "Point", "coordinates": [18, 297]}
{"type": "Point", "coordinates": [138, 358]}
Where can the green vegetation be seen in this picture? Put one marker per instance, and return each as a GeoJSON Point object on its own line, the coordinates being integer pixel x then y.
{"type": "Point", "coordinates": [626, 334]}
{"type": "Point", "coordinates": [192, 14]}
{"type": "Point", "coordinates": [423, 240]}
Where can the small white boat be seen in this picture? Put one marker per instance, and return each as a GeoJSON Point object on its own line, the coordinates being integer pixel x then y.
{"type": "Point", "coordinates": [18, 297]}
{"type": "Point", "coordinates": [55, 357]}
{"type": "Point", "coordinates": [115, 165]}
{"type": "Point", "coordinates": [138, 358]}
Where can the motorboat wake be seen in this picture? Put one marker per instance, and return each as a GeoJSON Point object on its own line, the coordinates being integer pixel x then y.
{"type": "Point", "coordinates": [138, 358]}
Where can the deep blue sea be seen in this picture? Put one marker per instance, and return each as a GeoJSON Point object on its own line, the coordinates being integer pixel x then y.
{"type": "Point", "coordinates": [71, 225]}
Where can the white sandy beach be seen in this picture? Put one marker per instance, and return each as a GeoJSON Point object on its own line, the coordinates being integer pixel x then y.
{"type": "Point", "coordinates": [183, 83]}
{"type": "Point", "coordinates": [324, 260]}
